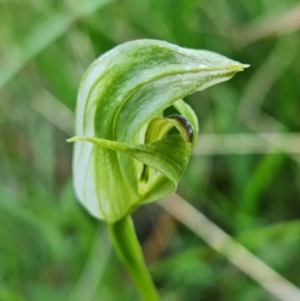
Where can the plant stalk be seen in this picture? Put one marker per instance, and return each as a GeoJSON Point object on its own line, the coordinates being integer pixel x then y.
{"type": "Point", "coordinates": [129, 251]}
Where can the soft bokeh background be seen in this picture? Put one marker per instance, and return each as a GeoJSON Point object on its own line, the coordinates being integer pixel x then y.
{"type": "Point", "coordinates": [244, 176]}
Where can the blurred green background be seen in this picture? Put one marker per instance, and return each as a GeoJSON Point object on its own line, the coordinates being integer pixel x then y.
{"type": "Point", "coordinates": [244, 176]}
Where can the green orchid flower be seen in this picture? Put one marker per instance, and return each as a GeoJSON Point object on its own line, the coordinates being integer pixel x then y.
{"type": "Point", "coordinates": [125, 155]}
{"type": "Point", "coordinates": [130, 159]}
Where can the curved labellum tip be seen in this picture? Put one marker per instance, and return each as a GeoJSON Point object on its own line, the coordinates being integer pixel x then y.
{"type": "Point", "coordinates": [184, 127]}
{"type": "Point", "coordinates": [125, 155]}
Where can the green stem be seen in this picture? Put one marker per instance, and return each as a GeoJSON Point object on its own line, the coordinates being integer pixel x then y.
{"type": "Point", "coordinates": [128, 248]}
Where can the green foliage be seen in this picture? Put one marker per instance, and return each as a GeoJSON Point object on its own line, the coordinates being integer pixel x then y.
{"type": "Point", "coordinates": [49, 246]}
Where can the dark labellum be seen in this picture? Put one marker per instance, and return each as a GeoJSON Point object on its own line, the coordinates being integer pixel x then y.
{"type": "Point", "coordinates": [187, 126]}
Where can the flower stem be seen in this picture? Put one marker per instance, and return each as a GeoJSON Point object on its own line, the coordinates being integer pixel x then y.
{"type": "Point", "coordinates": [129, 251]}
